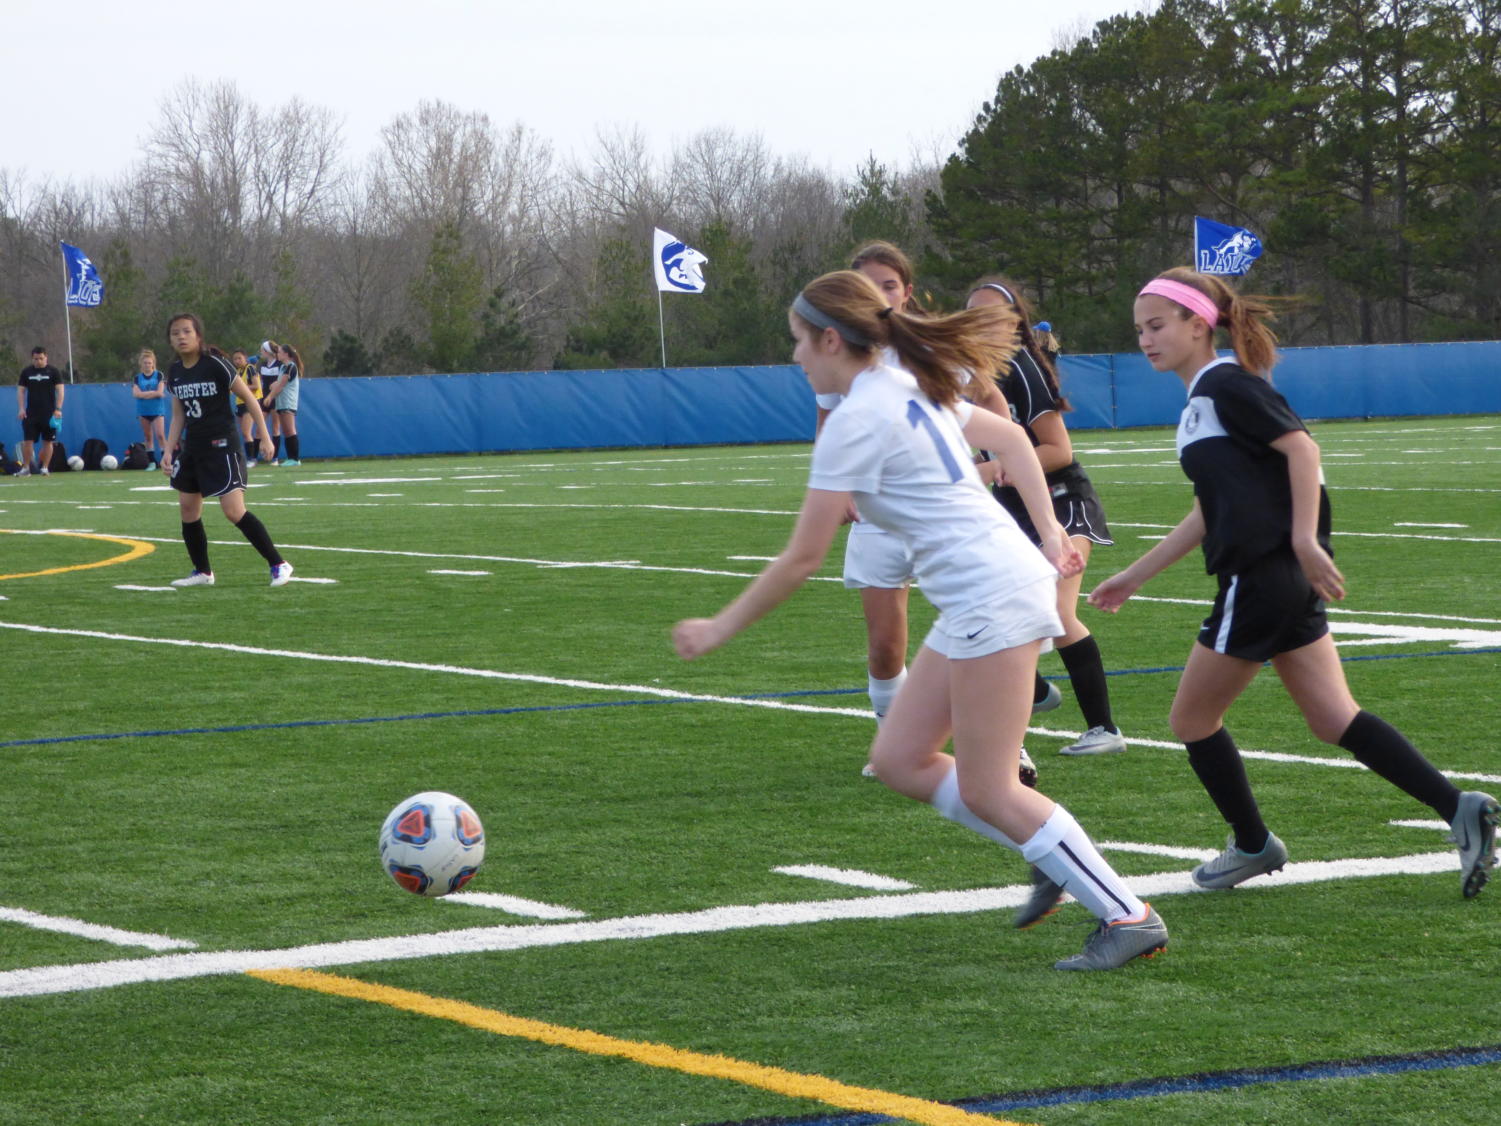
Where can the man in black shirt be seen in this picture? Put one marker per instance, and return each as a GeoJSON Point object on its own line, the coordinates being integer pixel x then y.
{"type": "Point", "coordinates": [39, 399]}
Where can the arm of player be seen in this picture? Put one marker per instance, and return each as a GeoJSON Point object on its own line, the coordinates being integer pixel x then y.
{"type": "Point", "coordinates": [817, 523]}
{"type": "Point", "coordinates": [1302, 454]}
{"type": "Point", "coordinates": [253, 409]}
{"type": "Point", "coordinates": [1111, 594]}
{"type": "Point", "coordinates": [174, 435]}
{"type": "Point", "coordinates": [1055, 450]}
{"type": "Point", "coordinates": [1019, 465]}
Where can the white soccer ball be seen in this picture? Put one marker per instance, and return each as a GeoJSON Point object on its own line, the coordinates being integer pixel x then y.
{"type": "Point", "coordinates": [108, 461]}
{"type": "Point", "coordinates": [432, 843]}
{"type": "Point", "coordinates": [75, 463]}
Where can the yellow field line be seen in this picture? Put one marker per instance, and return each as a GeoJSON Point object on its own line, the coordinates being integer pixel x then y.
{"type": "Point", "coordinates": [790, 1083]}
{"type": "Point", "coordinates": [138, 548]}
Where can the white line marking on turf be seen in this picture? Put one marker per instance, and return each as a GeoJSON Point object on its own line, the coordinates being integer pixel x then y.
{"type": "Point", "coordinates": [439, 571]}
{"type": "Point", "coordinates": [132, 586]}
{"type": "Point", "coordinates": [41, 980]}
{"type": "Point", "coordinates": [530, 908]}
{"type": "Point", "coordinates": [849, 877]}
{"type": "Point", "coordinates": [310, 579]}
{"type": "Point", "coordinates": [454, 670]}
{"type": "Point", "coordinates": [65, 925]}
{"type": "Point", "coordinates": [1412, 524]}
{"type": "Point", "coordinates": [1160, 850]}
{"type": "Point", "coordinates": [1420, 824]}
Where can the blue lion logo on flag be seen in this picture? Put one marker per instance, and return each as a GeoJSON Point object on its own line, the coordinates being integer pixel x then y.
{"type": "Point", "coordinates": [683, 266]}
{"type": "Point", "coordinates": [1222, 249]}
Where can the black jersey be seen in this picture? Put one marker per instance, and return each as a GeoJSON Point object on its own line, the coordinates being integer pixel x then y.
{"type": "Point", "coordinates": [41, 389]}
{"type": "Point", "coordinates": [207, 405]}
{"type": "Point", "coordinates": [1224, 445]}
{"type": "Point", "coordinates": [1029, 398]}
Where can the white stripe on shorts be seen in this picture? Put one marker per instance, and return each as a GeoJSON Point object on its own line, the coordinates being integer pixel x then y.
{"type": "Point", "coordinates": [1222, 638]}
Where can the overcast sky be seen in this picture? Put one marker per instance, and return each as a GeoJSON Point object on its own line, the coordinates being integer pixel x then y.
{"type": "Point", "coordinates": [84, 79]}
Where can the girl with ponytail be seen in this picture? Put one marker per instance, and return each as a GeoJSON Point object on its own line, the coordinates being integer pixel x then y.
{"type": "Point", "coordinates": [898, 446]}
{"type": "Point", "coordinates": [1261, 515]}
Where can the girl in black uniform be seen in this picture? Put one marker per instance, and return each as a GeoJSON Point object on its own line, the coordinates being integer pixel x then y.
{"type": "Point", "coordinates": [1261, 515]}
{"type": "Point", "coordinates": [211, 463]}
{"type": "Point", "coordinates": [1031, 391]}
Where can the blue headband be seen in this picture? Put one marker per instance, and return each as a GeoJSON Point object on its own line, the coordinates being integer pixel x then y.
{"type": "Point", "coordinates": [819, 319]}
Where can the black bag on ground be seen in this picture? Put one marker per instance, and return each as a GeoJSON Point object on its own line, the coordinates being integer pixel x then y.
{"type": "Point", "coordinates": [136, 457]}
{"type": "Point", "coordinates": [93, 450]}
{"type": "Point", "coordinates": [59, 462]}
{"type": "Point", "coordinates": [8, 465]}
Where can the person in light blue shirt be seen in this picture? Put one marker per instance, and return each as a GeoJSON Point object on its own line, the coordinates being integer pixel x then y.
{"type": "Point", "coordinates": [151, 405]}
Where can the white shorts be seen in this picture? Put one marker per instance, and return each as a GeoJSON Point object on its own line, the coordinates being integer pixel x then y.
{"type": "Point", "coordinates": [1028, 613]}
{"type": "Point", "coordinates": [876, 559]}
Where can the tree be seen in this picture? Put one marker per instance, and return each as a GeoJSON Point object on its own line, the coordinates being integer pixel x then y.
{"type": "Point", "coordinates": [448, 295]}
{"type": "Point", "coordinates": [346, 355]}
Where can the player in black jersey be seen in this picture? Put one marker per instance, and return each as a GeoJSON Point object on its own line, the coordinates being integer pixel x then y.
{"type": "Point", "coordinates": [1037, 404]}
{"type": "Point", "coordinates": [1261, 515]}
{"type": "Point", "coordinates": [202, 456]}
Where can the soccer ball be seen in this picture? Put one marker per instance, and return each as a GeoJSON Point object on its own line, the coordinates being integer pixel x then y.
{"type": "Point", "coordinates": [108, 461]}
{"type": "Point", "coordinates": [432, 843]}
{"type": "Point", "coordinates": [75, 463]}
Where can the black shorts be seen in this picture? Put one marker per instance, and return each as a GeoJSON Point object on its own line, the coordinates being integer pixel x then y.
{"type": "Point", "coordinates": [210, 473]}
{"type": "Point", "coordinates": [37, 428]}
{"type": "Point", "coordinates": [1266, 610]}
{"type": "Point", "coordinates": [1076, 505]}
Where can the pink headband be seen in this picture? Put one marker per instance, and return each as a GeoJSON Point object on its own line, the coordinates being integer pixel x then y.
{"type": "Point", "coordinates": [1185, 295]}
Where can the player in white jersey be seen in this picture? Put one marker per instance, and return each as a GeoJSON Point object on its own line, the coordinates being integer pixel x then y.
{"type": "Point", "coordinates": [898, 446]}
{"type": "Point", "coordinates": [877, 563]}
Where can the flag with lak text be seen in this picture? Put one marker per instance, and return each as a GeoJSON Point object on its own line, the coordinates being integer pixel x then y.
{"type": "Point", "coordinates": [85, 286]}
{"type": "Point", "coordinates": [1223, 249]}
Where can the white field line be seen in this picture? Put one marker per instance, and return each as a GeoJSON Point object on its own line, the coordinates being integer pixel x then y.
{"type": "Point", "coordinates": [421, 666]}
{"type": "Point", "coordinates": [64, 925]}
{"type": "Point", "coordinates": [514, 904]}
{"type": "Point", "coordinates": [1159, 850]}
{"type": "Point", "coordinates": [492, 939]}
{"type": "Point", "coordinates": [849, 877]}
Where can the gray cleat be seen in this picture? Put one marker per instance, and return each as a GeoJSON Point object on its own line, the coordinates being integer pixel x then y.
{"type": "Point", "coordinates": [1041, 903]}
{"type": "Point", "coordinates": [1233, 866]}
{"type": "Point", "coordinates": [1050, 701]}
{"type": "Point", "coordinates": [1474, 831]}
{"type": "Point", "coordinates": [1112, 945]}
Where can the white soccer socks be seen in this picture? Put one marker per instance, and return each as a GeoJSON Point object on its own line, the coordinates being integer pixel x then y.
{"type": "Point", "coordinates": [946, 801]}
{"type": "Point", "coordinates": [1069, 858]}
{"type": "Point", "coordinates": [882, 692]}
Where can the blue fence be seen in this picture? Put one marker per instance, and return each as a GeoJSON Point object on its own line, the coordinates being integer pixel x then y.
{"type": "Point", "coordinates": [432, 414]}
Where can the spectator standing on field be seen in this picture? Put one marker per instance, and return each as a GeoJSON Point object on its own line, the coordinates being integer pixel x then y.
{"type": "Point", "coordinates": [269, 366]}
{"type": "Point", "coordinates": [151, 405]}
{"type": "Point", "coordinates": [39, 402]}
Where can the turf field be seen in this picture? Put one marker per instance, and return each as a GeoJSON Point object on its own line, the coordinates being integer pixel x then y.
{"type": "Point", "coordinates": [694, 910]}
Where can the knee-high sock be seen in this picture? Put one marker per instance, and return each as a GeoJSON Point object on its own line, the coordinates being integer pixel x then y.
{"type": "Point", "coordinates": [1385, 750]}
{"type": "Point", "coordinates": [1064, 852]}
{"type": "Point", "coordinates": [947, 802]}
{"type": "Point", "coordinates": [293, 446]}
{"type": "Point", "coordinates": [1086, 673]}
{"type": "Point", "coordinates": [1218, 764]}
{"type": "Point", "coordinates": [196, 540]}
{"type": "Point", "coordinates": [882, 692]}
{"type": "Point", "coordinates": [253, 530]}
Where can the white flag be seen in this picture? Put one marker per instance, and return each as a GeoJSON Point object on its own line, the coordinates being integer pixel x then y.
{"type": "Point", "coordinates": [678, 266]}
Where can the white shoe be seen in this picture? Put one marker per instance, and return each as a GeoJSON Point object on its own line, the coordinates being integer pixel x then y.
{"type": "Point", "coordinates": [868, 771]}
{"type": "Point", "coordinates": [281, 574]}
{"type": "Point", "coordinates": [23, 472]}
{"type": "Point", "coordinates": [197, 578]}
{"type": "Point", "coordinates": [1097, 741]}
{"type": "Point", "coordinates": [250, 464]}
{"type": "Point", "coordinates": [1026, 770]}
{"type": "Point", "coordinates": [45, 472]}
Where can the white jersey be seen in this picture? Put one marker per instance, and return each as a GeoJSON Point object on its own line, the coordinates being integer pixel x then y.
{"type": "Point", "coordinates": [909, 468]}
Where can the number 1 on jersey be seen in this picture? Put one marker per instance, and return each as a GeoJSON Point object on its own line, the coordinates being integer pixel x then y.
{"type": "Point", "coordinates": [919, 417]}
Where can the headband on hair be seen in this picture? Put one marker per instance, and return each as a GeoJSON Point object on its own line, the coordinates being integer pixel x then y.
{"type": "Point", "coordinates": [999, 288]}
{"type": "Point", "coordinates": [1186, 295]}
{"type": "Point", "coordinates": [819, 319]}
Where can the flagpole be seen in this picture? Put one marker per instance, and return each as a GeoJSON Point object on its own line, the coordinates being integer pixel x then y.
{"type": "Point", "coordinates": [67, 315]}
{"type": "Point", "coordinates": [661, 328]}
